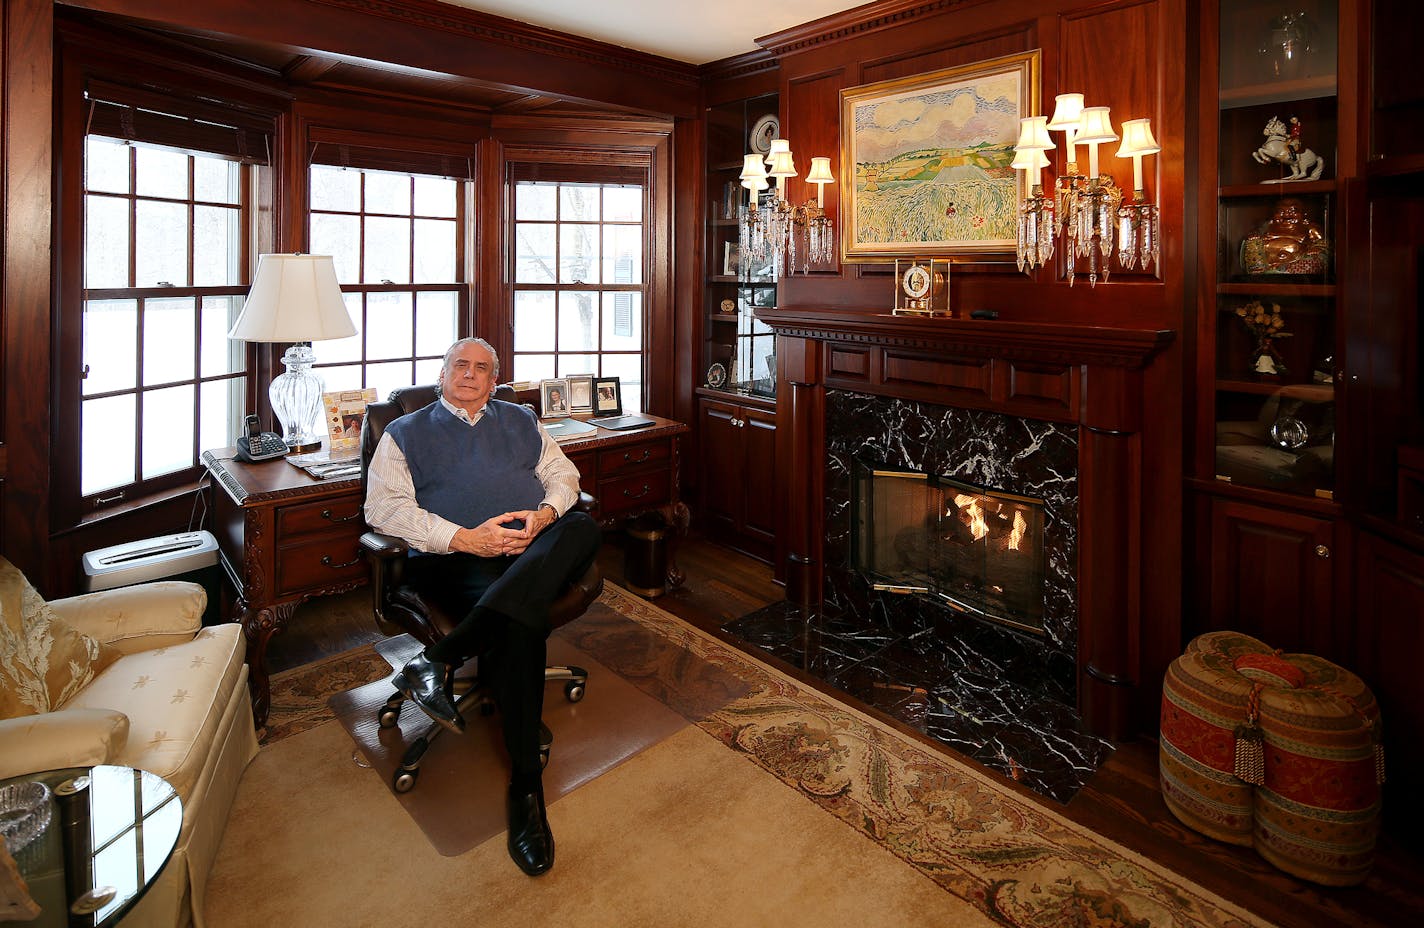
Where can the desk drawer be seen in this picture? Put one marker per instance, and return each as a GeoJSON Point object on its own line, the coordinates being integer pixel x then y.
{"type": "Point", "coordinates": [622, 460]}
{"type": "Point", "coordinates": [320, 563]}
{"type": "Point", "coordinates": [637, 491]}
{"type": "Point", "coordinates": [323, 517]}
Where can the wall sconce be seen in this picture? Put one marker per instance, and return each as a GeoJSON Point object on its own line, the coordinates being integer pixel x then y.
{"type": "Point", "coordinates": [769, 235]}
{"type": "Point", "coordinates": [1037, 215]}
{"type": "Point", "coordinates": [295, 298]}
{"type": "Point", "coordinates": [1090, 204]}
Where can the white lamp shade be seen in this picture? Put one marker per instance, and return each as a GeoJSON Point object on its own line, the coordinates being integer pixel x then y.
{"type": "Point", "coordinates": [294, 298]}
{"type": "Point", "coordinates": [777, 145]}
{"type": "Point", "coordinates": [1095, 126]}
{"type": "Point", "coordinates": [753, 170]}
{"type": "Point", "coordinates": [782, 164]}
{"type": "Point", "coordinates": [1137, 139]}
{"type": "Point", "coordinates": [1029, 159]}
{"type": "Point", "coordinates": [1068, 108]}
{"type": "Point", "coordinates": [820, 172]}
{"type": "Point", "coordinates": [1033, 133]}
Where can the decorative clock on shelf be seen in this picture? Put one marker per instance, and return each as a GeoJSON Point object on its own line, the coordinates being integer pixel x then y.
{"type": "Point", "coordinates": [922, 287]}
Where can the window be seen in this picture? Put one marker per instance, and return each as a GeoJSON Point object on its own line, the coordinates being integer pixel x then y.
{"type": "Point", "coordinates": [164, 278]}
{"type": "Point", "coordinates": [579, 291]}
{"type": "Point", "coordinates": [398, 241]}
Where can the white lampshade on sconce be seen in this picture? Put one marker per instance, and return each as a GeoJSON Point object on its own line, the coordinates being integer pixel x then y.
{"type": "Point", "coordinates": [1137, 223]}
{"type": "Point", "coordinates": [295, 298]}
{"type": "Point", "coordinates": [770, 235]}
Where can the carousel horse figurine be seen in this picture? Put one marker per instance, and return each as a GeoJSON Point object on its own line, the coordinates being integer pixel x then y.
{"type": "Point", "coordinates": [1304, 164]}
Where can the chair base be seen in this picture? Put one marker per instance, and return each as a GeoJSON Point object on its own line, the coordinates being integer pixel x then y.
{"type": "Point", "coordinates": [575, 680]}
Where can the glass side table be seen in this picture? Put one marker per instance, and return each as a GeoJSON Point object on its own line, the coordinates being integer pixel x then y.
{"type": "Point", "coordinates": [111, 832]}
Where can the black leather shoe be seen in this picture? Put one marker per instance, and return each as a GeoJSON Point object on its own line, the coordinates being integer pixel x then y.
{"type": "Point", "coordinates": [425, 683]}
{"type": "Point", "coordinates": [531, 843]}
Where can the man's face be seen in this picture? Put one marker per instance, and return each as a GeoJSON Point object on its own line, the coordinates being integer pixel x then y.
{"type": "Point", "coordinates": [468, 378]}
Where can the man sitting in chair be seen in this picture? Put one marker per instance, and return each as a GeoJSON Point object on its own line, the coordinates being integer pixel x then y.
{"type": "Point", "coordinates": [482, 495]}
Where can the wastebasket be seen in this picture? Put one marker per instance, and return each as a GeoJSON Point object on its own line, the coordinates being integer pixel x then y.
{"type": "Point", "coordinates": [191, 556]}
{"type": "Point", "coordinates": [645, 556]}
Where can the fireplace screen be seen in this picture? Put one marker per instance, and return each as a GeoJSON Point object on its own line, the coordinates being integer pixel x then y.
{"type": "Point", "coordinates": [981, 551]}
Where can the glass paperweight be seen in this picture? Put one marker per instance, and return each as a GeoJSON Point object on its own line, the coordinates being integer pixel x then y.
{"type": "Point", "coordinates": [24, 814]}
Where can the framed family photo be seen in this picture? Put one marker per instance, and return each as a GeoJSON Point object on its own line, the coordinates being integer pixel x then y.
{"type": "Point", "coordinates": [554, 398]}
{"type": "Point", "coordinates": [927, 160]}
{"type": "Point", "coordinates": [607, 397]}
{"type": "Point", "coordinates": [580, 393]}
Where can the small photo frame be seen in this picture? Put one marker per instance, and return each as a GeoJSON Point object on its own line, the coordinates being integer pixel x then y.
{"type": "Point", "coordinates": [580, 393]}
{"type": "Point", "coordinates": [554, 398]}
{"type": "Point", "coordinates": [607, 397]}
{"type": "Point", "coordinates": [731, 257]}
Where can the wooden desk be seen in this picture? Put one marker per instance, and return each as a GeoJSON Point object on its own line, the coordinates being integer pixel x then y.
{"type": "Point", "coordinates": [285, 537]}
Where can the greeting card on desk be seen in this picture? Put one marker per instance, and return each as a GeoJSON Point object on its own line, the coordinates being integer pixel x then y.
{"type": "Point", "coordinates": [564, 429]}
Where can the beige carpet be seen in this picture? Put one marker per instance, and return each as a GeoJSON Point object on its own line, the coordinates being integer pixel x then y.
{"type": "Point", "coordinates": [722, 823]}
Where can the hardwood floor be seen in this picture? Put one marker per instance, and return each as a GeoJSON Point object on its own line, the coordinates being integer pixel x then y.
{"type": "Point", "coordinates": [1121, 801]}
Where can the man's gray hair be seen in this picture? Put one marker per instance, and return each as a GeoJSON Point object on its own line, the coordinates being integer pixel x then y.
{"type": "Point", "coordinates": [450, 353]}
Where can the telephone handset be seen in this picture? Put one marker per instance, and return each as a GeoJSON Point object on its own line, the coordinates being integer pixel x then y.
{"type": "Point", "coordinates": [257, 445]}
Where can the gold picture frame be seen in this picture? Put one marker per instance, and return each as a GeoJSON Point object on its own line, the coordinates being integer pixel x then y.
{"type": "Point", "coordinates": [926, 160]}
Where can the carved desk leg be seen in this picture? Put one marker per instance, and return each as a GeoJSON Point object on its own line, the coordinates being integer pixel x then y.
{"type": "Point", "coordinates": [677, 516]}
{"type": "Point", "coordinates": [259, 626]}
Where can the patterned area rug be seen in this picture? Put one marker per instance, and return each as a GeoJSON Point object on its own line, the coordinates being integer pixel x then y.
{"type": "Point", "coordinates": [1017, 861]}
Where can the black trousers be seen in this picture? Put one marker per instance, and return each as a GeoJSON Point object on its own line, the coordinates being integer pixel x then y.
{"type": "Point", "coordinates": [505, 601]}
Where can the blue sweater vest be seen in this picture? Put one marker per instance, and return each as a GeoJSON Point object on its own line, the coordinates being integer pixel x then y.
{"type": "Point", "coordinates": [469, 473]}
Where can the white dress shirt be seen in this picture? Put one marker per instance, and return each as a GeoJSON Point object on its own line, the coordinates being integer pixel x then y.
{"type": "Point", "coordinates": [390, 495]}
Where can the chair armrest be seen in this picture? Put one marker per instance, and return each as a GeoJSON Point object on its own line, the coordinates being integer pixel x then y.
{"type": "Point", "coordinates": [66, 738]}
{"type": "Point", "coordinates": [137, 618]}
{"type": "Point", "coordinates": [387, 555]}
{"type": "Point", "coordinates": [384, 547]}
{"type": "Point", "coordinates": [586, 503]}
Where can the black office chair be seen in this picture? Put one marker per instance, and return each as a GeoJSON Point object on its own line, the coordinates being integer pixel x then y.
{"type": "Point", "coordinates": [400, 607]}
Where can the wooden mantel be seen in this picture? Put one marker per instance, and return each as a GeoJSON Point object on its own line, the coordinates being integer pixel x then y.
{"type": "Point", "coordinates": [1087, 375]}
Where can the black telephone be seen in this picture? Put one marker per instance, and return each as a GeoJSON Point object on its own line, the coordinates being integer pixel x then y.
{"type": "Point", "coordinates": [257, 445]}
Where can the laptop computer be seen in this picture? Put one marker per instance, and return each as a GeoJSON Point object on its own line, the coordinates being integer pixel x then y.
{"type": "Point", "coordinates": [621, 422]}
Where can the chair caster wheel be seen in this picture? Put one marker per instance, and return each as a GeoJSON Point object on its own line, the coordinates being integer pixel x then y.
{"type": "Point", "coordinates": [405, 780]}
{"type": "Point", "coordinates": [543, 759]}
{"type": "Point", "coordinates": [389, 717]}
{"type": "Point", "coordinates": [573, 691]}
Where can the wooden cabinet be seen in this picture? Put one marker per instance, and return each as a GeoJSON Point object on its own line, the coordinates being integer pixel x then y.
{"type": "Point", "coordinates": [739, 505]}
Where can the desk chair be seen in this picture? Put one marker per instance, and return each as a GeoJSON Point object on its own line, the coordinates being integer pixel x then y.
{"type": "Point", "coordinates": [400, 607]}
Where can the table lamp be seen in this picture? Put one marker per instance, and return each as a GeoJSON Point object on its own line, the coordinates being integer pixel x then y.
{"type": "Point", "coordinates": [295, 298]}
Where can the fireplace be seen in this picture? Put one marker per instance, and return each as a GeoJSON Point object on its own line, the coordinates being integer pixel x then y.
{"type": "Point", "coordinates": [978, 550]}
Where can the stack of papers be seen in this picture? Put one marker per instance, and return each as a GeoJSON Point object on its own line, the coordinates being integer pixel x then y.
{"type": "Point", "coordinates": [326, 465]}
{"type": "Point", "coordinates": [564, 429]}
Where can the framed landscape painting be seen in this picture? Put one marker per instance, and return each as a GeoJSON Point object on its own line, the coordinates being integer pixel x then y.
{"type": "Point", "coordinates": [930, 156]}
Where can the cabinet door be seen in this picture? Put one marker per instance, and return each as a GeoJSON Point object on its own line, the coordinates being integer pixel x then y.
{"type": "Point", "coordinates": [721, 440]}
{"type": "Point", "coordinates": [758, 440]}
{"type": "Point", "coordinates": [1272, 576]}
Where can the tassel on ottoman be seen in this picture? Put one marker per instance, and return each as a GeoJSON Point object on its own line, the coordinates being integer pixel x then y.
{"type": "Point", "coordinates": [1278, 751]}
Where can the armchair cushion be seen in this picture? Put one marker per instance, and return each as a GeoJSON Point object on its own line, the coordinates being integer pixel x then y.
{"type": "Point", "coordinates": [69, 738]}
{"type": "Point", "coordinates": [43, 660]}
{"type": "Point", "coordinates": [137, 618]}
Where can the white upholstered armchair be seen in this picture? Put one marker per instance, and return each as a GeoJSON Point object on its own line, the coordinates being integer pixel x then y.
{"type": "Point", "coordinates": [131, 677]}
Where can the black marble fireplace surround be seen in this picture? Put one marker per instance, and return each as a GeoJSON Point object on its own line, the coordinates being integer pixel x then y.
{"type": "Point", "coordinates": [1001, 696]}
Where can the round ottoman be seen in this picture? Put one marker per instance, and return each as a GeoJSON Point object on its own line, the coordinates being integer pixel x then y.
{"type": "Point", "coordinates": [1278, 751]}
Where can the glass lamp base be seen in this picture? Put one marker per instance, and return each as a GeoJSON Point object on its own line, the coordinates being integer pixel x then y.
{"type": "Point", "coordinates": [296, 399]}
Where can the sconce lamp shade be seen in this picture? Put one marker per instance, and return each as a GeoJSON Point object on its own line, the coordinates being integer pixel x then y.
{"type": "Point", "coordinates": [1137, 139]}
{"type": "Point", "coordinates": [782, 164]}
{"type": "Point", "coordinates": [1068, 109]}
{"type": "Point", "coordinates": [294, 298]}
{"type": "Point", "coordinates": [753, 172]}
{"type": "Point", "coordinates": [820, 172]}
{"type": "Point", "coordinates": [777, 146]}
{"type": "Point", "coordinates": [1029, 159]}
{"type": "Point", "coordinates": [1033, 134]}
{"type": "Point", "coordinates": [1096, 126]}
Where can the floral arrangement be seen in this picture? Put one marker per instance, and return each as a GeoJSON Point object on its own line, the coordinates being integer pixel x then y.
{"type": "Point", "coordinates": [1266, 325]}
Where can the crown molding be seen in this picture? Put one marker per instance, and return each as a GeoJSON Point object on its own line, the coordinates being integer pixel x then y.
{"type": "Point", "coordinates": [747, 64]}
{"type": "Point", "coordinates": [854, 23]}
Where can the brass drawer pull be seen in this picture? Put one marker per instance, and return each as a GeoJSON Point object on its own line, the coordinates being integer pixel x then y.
{"type": "Point", "coordinates": [628, 456]}
{"type": "Point", "coordinates": [326, 560]}
{"type": "Point", "coordinates": [326, 514]}
{"type": "Point", "coordinates": [630, 495]}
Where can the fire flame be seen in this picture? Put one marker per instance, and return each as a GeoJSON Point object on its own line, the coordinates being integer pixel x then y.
{"type": "Point", "coordinates": [1020, 527]}
{"type": "Point", "coordinates": [972, 514]}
